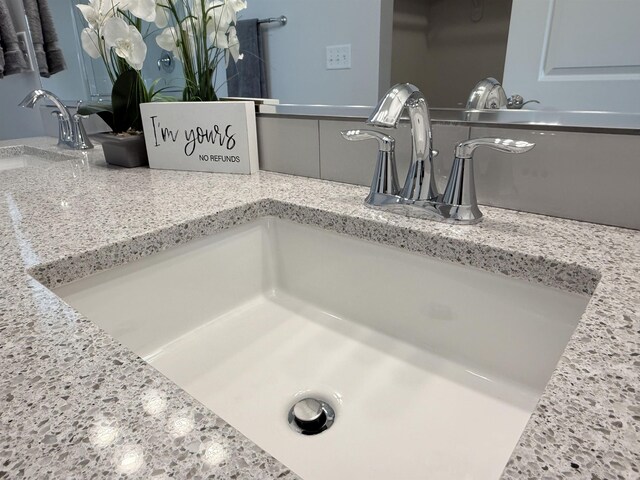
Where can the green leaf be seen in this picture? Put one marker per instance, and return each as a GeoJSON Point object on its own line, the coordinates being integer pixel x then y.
{"type": "Point", "coordinates": [127, 95]}
{"type": "Point", "coordinates": [160, 97]}
{"type": "Point", "coordinates": [103, 110]}
{"type": "Point", "coordinates": [200, 89]}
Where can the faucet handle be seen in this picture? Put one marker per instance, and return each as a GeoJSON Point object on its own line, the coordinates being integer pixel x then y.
{"type": "Point", "coordinates": [506, 145]}
{"type": "Point", "coordinates": [385, 178]}
{"type": "Point", "coordinates": [81, 139]}
{"type": "Point", "coordinates": [516, 102]}
{"type": "Point", "coordinates": [386, 143]}
{"type": "Point", "coordinates": [460, 192]}
{"type": "Point", "coordinates": [64, 129]}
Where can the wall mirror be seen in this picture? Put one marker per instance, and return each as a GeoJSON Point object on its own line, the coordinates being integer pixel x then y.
{"type": "Point", "coordinates": [580, 59]}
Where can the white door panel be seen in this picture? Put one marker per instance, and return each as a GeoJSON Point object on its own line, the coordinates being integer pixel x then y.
{"type": "Point", "coordinates": [575, 54]}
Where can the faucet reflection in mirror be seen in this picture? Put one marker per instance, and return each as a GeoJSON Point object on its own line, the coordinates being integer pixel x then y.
{"type": "Point", "coordinates": [489, 94]}
{"type": "Point", "coordinates": [419, 197]}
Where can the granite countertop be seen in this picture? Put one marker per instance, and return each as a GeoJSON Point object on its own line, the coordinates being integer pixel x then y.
{"type": "Point", "coordinates": [77, 404]}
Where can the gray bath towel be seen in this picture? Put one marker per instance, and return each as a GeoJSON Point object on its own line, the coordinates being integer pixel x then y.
{"type": "Point", "coordinates": [11, 58]}
{"type": "Point", "coordinates": [248, 77]}
{"type": "Point", "coordinates": [45, 40]}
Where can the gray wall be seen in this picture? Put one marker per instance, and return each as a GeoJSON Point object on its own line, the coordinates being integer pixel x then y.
{"type": "Point", "coordinates": [581, 176]}
{"type": "Point", "coordinates": [296, 53]}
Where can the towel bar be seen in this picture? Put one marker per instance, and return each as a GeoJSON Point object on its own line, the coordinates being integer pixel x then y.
{"type": "Point", "coordinates": [282, 20]}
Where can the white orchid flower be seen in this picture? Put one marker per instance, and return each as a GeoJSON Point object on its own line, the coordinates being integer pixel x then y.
{"type": "Point", "coordinates": [162, 14]}
{"type": "Point", "coordinates": [168, 40]}
{"type": "Point", "coordinates": [97, 11]}
{"type": "Point", "coordinates": [126, 41]}
{"type": "Point", "coordinates": [233, 47]}
{"type": "Point", "coordinates": [90, 14]}
{"type": "Point", "coordinates": [90, 42]}
{"type": "Point", "coordinates": [223, 14]}
{"type": "Point", "coordinates": [143, 9]}
{"type": "Point", "coordinates": [237, 5]}
{"type": "Point", "coordinates": [219, 37]}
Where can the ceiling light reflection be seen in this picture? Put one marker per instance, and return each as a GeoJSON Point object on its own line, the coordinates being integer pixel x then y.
{"type": "Point", "coordinates": [214, 454]}
{"type": "Point", "coordinates": [154, 402]}
{"type": "Point", "coordinates": [104, 433]}
{"type": "Point", "coordinates": [180, 425]}
{"type": "Point", "coordinates": [129, 458]}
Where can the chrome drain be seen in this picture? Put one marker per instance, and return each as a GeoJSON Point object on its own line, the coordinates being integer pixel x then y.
{"type": "Point", "coordinates": [310, 416]}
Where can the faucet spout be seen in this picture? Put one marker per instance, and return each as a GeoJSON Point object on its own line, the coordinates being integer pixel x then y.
{"type": "Point", "coordinates": [30, 101]}
{"type": "Point", "coordinates": [420, 182]}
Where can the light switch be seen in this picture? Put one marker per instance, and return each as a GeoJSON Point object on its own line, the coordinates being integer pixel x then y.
{"type": "Point", "coordinates": [338, 57]}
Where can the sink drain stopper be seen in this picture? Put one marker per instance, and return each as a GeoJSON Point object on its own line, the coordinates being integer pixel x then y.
{"type": "Point", "coordinates": [310, 416]}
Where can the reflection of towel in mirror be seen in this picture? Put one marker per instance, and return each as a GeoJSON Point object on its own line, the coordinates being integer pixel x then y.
{"type": "Point", "coordinates": [11, 58]}
{"type": "Point", "coordinates": [248, 77]}
{"type": "Point", "coordinates": [43, 34]}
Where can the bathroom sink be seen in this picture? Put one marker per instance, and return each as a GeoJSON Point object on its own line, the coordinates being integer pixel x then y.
{"type": "Point", "coordinates": [21, 156]}
{"type": "Point", "coordinates": [432, 368]}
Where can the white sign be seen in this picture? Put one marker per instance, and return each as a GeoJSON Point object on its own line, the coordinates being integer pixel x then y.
{"type": "Point", "coordinates": [203, 136]}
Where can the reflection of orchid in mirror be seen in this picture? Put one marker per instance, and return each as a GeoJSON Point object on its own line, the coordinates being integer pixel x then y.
{"type": "Point", "coordinates": [201, 35]}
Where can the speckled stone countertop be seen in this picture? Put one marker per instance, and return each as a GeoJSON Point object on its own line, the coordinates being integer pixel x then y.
{"type": "Point", "coordinates": [74, 403]}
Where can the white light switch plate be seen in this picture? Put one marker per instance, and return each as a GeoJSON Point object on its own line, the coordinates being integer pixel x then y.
{"type": "Point", "coordinates": [338, 57]}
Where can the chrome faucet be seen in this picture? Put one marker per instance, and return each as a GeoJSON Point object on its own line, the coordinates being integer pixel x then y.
{"type": "Point", "coordinates": [420, 197]}
{"type": "Point", "coordinates": [71, 132]}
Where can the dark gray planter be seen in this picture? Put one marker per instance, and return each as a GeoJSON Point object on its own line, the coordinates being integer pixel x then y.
{"type": "Point", "coordinates": [124, 150]}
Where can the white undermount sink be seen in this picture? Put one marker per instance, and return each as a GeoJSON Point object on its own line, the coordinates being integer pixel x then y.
{"type": "Point", "coordinates": [433, 368]}
{"type": "Point", "coordinates": [21, 156]}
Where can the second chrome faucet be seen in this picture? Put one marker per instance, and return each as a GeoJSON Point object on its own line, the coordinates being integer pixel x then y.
{"type": "Point", "coordinates": [71, 132]}
{"type": "Point", "coordinates": [419, 197]}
